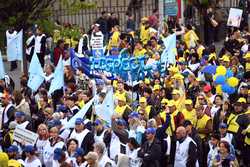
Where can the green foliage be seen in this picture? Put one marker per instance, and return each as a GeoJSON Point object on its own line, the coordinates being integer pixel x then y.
{"type": "Point", "coordinates": [75, 6]}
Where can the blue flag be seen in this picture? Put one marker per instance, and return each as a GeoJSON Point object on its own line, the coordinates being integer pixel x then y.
{"type": "Point", "coordinates": [15, 47]}
{"type": "Point", "coordinates": [58, 79]}
{"type": "Point", "coordinates": [2, 72]}
{"type": "Point", "coordinates": [106, 109]}
{"type": "Point", "coordinates": [169, 53]}
{"type": "Point", "coordinates": [81, 113]}
{"type": "Point", "coordinates": [36, 75]}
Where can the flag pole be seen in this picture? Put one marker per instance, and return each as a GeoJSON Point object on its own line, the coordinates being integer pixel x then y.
{"type": "Point", "coordinates": [24, 65]}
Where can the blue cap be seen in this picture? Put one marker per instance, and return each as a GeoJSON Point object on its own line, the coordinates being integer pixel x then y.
{"type": "Point", "coordinates": [51, 123]}
{"type": "Point", "coordinates": [98, 122]}
{"type": "Point", "coordinates": [151, 130]}
{"type": "Point", "coordinates": [79, 121]}
{"type": "Point", "coordinates": [19, 114]}
{"type": "Point", "coordinates": [114, 49]}
{"type": "Point", "coordinates": [12, 148]}
{"type": "Point", "coordinates": [121, 122]}
{"type": "Point", "coordinates": [223, 125]}
{"type": "Point", "coordinates": [134, 115]}
{"type": "Point", "coordinates": [28, 149]}
{"type": "Point", "coordinates": [57, 122]}
{"type": "Point", "coordinates": [58, 152]}
{"type": "Point", "coordinates": [79, 152]}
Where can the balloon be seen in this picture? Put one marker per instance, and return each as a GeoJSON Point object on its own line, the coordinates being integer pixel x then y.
{"type": "Point", "coordinates": [221, 70]}
{"type": "Point", "coordinates": [233, 81]}
{"type": "Point", "coordinates": [210, 69]}
{"type": "Point", "coordinates": [227, 89]}
{"type": "Point", "coordinates": [218, 89]}
{"type": "Point", "coordinates": [231, 90]}
{"type": "Point", "coordinates": [220, 79]}
{"type": "Point", "coordinates": [229, 73]}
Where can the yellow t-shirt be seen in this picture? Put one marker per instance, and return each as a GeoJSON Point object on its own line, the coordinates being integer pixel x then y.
{"type": "Point", "coordinates": [190, 115]}
{"type": "Point", "coordinates": [144, 34]}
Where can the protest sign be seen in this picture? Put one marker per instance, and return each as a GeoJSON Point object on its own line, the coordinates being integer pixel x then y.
{"type": "Point", "coordinates": [24, 135]}
{"type": "Point", "coordinates": [234, 17]}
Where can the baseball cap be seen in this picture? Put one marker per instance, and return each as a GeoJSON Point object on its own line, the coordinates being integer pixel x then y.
{"type": "Point", "coordinates": [91, 155]}
{"type": "Point", "coordinates": [156, 87]}
{"type": "Point", "coordinates": [207, 88]}
{"type": "Point", "coordinates": [164, 101]}
{"type": "Point", "coordinates": [134, 115]}
{"type": "Point", "coordinates": [242, 100]}
{"type": "Point", "coordinates": [19, 114]}
{"type": "Point", "coordinates": [223, 125]}
{"type": "Point", "coordinates": [29, 149]}
{"type": "Point", "coordinates": [171, 103]}
{"type": "Point", "coordinates": [175, 91]}
{"type": "Point", "coordinates": [188, 102]}
{"type": "Point", "coordinates": [79, 152]}
{"type": "Point", "coordinates": [58, 152]}
{"type": "Point", "coordinates": [121, 122]}
{"type": "Point", "coordinates": [12, 148]}
{"type": "Point", "coordinates": [151, 130]}
{"type": "Point", "coordinates": [142, 100]}
{"type": "Point", "coordinates": [79, 121]}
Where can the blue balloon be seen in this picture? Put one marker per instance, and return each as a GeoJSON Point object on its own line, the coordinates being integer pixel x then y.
{"type": "Point", "coordinates": [220, 79]}
{"type": "Point", "coordinates": [229, 74]}
{"type": "Point", "coordinates": [227, 89]}
{"type": "Point", "coordinates": [210, 69]}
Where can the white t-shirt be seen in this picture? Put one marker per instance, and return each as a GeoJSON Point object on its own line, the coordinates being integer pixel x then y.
{"type": "Point", "coordinates": [35, 163]}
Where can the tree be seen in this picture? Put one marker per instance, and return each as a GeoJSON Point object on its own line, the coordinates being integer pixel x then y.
{"type": "Point", "coordinates": [21, 14]}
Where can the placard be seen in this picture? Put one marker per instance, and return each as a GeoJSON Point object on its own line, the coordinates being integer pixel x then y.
{"type": "Point", "coordinates": [170, 8]}
{"type": "Point", "coordinates": [24, 135]}
{"type": "Point", "coordinates": [234, 17]}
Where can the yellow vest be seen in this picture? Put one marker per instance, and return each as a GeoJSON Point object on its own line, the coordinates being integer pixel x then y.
{"type": "Point", "coordinates": [247, 66]}
{"type": "Point", "coordinates": [233, 126]}
{"type": "Point", "coordinates": [201, 124]}
{"type": "Point", "coordinates": [171, 129]}
{"type": "Point", "coordinates": [14, 163]}
{"type": "Point", "coordinates": [247, 139]}
{"type": "Point", "coordinates": [190, 115]}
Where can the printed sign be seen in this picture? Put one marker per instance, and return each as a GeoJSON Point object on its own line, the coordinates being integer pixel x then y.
{"type": "Point", "coordinates": [170, 8]}
{"type": "Point", "coordinates": [234, 17]}
{"type": "Point", "coordinates": [24, 135]}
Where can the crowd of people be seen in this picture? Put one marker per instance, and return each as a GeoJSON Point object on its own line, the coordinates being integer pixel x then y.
{"type": "Point", "coordinates": [177, 117]}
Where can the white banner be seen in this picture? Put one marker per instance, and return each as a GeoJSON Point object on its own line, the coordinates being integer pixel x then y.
{"type": "Point", "coordinates": [23, 135]}
{"type": "Point", "coordinates": [234, 18]}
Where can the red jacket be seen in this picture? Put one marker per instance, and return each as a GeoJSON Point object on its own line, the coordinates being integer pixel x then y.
{"type": "Point", "coordinates": [57, 53]}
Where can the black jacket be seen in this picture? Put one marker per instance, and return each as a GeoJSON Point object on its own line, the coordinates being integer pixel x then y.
{"type": "Point", "coordinates": [150, 154]}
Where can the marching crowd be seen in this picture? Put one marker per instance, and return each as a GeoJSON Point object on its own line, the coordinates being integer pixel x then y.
{"type": "Point", "coordinates": [183, 116]}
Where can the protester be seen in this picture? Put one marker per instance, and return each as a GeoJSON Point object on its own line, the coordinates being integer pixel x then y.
{"type": "Point", "coordinates": [154, 94]}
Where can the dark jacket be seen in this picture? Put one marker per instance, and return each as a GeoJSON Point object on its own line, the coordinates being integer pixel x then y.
{"type": "Point", "coordinates": [150, 154]}
{"type": "Point", "coordinates": [10, 114]}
